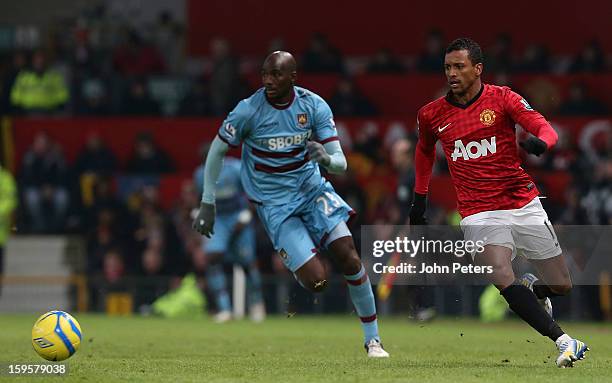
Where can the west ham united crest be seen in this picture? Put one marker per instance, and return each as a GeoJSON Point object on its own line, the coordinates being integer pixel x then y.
{"type": "Point", "coordinates": [302, 119]}
{"type": "Point", "coordinates": [487, 117]}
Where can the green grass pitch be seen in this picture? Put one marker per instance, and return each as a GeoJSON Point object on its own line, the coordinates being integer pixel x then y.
{"type": "Point", "coordinates": [311, 349]}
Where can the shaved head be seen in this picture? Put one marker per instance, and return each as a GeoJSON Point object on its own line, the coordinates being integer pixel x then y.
{"type": "Point", "coordinates": [284, 60]}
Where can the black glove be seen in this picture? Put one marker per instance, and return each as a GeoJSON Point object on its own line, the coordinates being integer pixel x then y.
{"type": "Point", "coordinates": [417, 210]}
{"type": "Point", "coordinates": [533, 145]}
{"type": "Point", "coordinates": [205, 220]}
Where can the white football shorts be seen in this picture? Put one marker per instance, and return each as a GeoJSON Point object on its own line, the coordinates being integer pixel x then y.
{"type": "Point", "coordinates": [527, 231]}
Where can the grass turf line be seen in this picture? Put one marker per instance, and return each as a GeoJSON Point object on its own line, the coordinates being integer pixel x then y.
{"type": "Point", "coordinates": [311, 349]}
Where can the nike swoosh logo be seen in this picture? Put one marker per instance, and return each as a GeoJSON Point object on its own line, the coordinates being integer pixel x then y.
{"type": "Point", "coordinates": [440, 129]}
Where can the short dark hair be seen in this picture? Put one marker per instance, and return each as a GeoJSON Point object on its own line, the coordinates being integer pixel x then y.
{"type": "Point", "coordinates": [471, 46]}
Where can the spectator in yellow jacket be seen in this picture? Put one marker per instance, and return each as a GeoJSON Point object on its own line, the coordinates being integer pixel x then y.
{"type": "Point", "coordinates": [40, 89]}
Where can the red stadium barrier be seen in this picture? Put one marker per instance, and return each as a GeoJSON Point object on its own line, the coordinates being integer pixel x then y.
{"type": "Point", "coordinates": [181, 138]}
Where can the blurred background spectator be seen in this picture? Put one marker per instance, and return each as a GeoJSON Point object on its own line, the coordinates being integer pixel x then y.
{"type": "Point", "coordinates": [39, 89]}
{"type": "Point", "coordinates": [148, 158]}
{"type": "Point", "coordinates": [95, 157]}
{"type": "Point", "coordinates": [225, 78]}
{"type": "Point", "coordinates": [535, 59]}
{"type": "Point", "coordinates": [93, 97]}
{"type": "Point", "coordinates": [169, 39]}
{"type": "Point", "coordinates": [384, 61]}
{"type": "Point", "coordinates": [44, 185]}
{"type": "Point", "coordinates": [402, 159]}
{"type": "Point", "coordinates": [321, 56]}
{"type": "Point", "coordinates": [499, 58]}
{"type": "Point", "coordinates": [347, 101]}
{"type": "Point", "coordinates": [136, 57]}
{"type": "Point", "coordinates": [590, 59]}
{"type": "Point", "coordinates": [198, 101]}
{"type": "Point", "coordinates": [429, 60]}
{"type": "Point", "coordinates": [580, 104]}
{"type": "Point", "coordinates": [138, 101]}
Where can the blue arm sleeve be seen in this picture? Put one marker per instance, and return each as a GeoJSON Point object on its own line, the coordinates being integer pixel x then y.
{"type": "Point", "coordinates": [337, 161]}
{"type": "Point", "coordinates": [212, 169]}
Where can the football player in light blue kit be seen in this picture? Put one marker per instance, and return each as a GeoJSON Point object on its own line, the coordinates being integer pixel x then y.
{"type": "Point", "coordinates": [233, 242]}
{"type": "Point", "coordinates": [286, 133]}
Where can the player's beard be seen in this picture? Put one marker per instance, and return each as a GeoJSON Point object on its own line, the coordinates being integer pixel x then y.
{"type": "Point", "coordinates": [463, 88]}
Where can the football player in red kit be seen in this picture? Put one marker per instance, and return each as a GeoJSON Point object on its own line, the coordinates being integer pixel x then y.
{"type": "Point", "coordinates": [497, 199]}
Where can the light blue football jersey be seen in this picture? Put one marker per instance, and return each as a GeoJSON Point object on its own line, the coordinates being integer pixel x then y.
{"type": "Point", "coordinates": [276, 168]}
{"type": "Point", "coordinates": [229, 192]}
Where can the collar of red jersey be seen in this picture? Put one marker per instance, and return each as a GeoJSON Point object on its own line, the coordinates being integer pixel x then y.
{"type": "Point", "coordinates": [449, 98]}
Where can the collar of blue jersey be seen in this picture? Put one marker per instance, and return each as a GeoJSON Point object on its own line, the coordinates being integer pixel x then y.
{"type": "Point", "coordinates": [284, 106]}
{"type": "Point", "coordinates": [450, 100]}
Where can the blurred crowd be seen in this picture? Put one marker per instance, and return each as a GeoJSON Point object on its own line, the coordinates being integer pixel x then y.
{"type": "Point", "coordinates": [97, 64]}
{"type": "Point", "coordinates": [119, 211]}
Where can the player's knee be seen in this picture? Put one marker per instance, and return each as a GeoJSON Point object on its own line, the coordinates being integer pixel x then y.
{"type": "Point", "coordinates": [349, 264]}
{"type": "Point", "coordinates": [346, 255]}
{"type": "Point", "coordinates": [313, 276]}
{"type": "Point", "coordinates": [502, 276]}
{"type": "Point", "coordinates": [315, 283]}
{"type": "Point", "coordinates": [317, 280]}
{"type": "Point", "coordinates": [318, 285]}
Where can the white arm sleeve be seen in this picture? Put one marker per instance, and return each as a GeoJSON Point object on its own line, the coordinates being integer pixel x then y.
{"type": "Point", "coordinates": [337, 162]}
{"type": "Point", "coordinates": [212, 169]}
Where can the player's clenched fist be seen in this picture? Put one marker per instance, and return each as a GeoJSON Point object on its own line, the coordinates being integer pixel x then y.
{"type": "Point", "coordinates": [417, 210]}
{"type": "Point", "coordinates": [205, 220]}
{"type": "Point", "coordinates": [533, 145]}
{"type": "Point", "coordinates": [318, 153]}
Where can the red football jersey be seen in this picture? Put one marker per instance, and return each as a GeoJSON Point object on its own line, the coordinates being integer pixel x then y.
{"type": "Point", "coordinates": [479, 141]}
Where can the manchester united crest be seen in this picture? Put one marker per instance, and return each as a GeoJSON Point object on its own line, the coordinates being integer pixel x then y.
{"type": "Point", "coordinates": [487, 117]}
{"type": "Point", "coordinates": [302, 119]}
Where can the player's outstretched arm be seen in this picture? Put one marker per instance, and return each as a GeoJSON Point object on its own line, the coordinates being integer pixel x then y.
{"type": "Point", "coordinates": [329, 155]}
{"type": "Point", "coordinates": [205, 220]}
